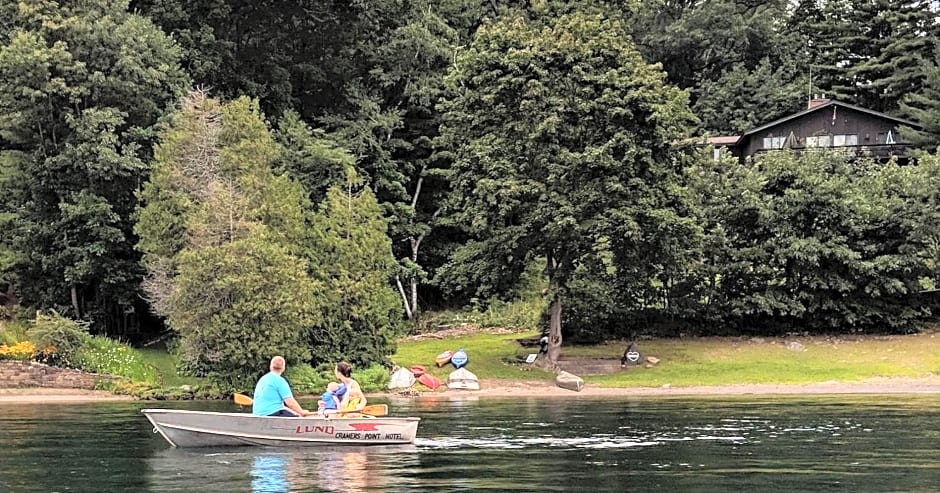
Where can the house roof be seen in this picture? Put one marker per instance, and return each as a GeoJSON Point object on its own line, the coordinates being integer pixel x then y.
{"type": "Point", "coordinates": [826, 105]}
{"type": "Point", "coordinates": [724, 140]}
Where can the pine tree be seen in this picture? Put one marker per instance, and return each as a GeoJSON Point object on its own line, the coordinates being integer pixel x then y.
{"type": "Point", "coordinates": [923, 107]}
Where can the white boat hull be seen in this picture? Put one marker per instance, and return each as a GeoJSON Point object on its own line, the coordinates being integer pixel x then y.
{"type": "Point", "coordinates": [209, 429]}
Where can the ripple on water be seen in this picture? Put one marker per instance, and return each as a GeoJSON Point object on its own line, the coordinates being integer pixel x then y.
{"type": "Point", "coordinates": [508, 442]}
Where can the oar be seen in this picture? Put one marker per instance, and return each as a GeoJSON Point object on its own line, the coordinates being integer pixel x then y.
{"type": "Point", "coordinates": [242, 399]}
{"type": "Point", "coordinates": [371, 410]}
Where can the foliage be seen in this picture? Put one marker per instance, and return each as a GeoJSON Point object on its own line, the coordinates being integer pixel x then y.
{"type": "Point", "coordinates": [819, 241]}
{"type": "Point", "coordinates": [373, 378]}
{"type": "Point", "coordinates": [220, 235]}
{"type": "Point", "coordinates": [304, 379]}
{"type": "Point", "coordinates": [351, 256]}
{"type": "Point", "coordinates": [59, 338]}
{"type": "Point", "coordinates": [924, 108]}
{"type": "Point", "coordinates": [743, 98]}
{"type": "Point", "coordinates": [563, 150]}
{"type": "Point", "coordinates": [165, 362]}
{"type": "Point", "coordinates": [699, 41]}
{"type": "Point", "coordinates": [236, 305]}
{"type": "Point", "coordinates": [84, 83]}
{"type": "Point", "coordinates": [106, 356]}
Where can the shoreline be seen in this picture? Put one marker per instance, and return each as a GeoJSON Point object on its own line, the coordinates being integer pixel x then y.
{"type": "Point", "coordinates": [547, 389]}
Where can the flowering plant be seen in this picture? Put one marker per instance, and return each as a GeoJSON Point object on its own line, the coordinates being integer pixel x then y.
{"type": "Point", "coordinates": [21, 351]}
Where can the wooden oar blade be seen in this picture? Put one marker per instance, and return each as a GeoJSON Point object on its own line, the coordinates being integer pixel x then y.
{"type": "Point", "coordinates": [242, 399]}
{"type": "Point", "coordinates": [375, 410]}
{"type": "Point", "coordinates": [370, 410]}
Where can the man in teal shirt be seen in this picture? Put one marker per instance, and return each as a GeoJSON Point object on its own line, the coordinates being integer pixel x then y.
{"type": "Point", "coordinates": [273, 396]}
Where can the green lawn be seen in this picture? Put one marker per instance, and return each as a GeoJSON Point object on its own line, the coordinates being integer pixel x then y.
{"type": "Point", "coordinates": [703, 361]}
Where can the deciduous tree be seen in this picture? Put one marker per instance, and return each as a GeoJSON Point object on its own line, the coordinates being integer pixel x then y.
{"type": "Point", "coordinates": [562, 140]}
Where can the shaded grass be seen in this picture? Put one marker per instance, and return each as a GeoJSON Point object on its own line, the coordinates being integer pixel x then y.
{"type": "Point", "coordinates": [703, 361]}
{"type": "Point", "coordinates": [165, 364]}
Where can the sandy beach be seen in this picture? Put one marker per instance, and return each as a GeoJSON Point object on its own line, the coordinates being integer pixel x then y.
{"type": "Point", "coordinates": [43, 395]}
{"type": "Point", "coordinates": [531, 388]}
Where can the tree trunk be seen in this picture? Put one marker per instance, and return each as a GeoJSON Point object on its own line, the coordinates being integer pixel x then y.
{"type": "Point", "coordinates": [554, 332]}
{"type": "Point", "coordinates": [404, 298]}
{"type": "Point", "coordinates": [414, 296]}
{"type": "Point", "coordinates": [78, 311]}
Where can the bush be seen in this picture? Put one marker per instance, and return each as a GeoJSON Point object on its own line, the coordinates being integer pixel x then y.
{"type": "Point", "coordinates": [104, 355]}
{"type": "Point", "coordinates": [304, 379]}
{"type": "Point", "coordinates": [59, 338]}
{"type": "Point", "coordinates": [373, 379]}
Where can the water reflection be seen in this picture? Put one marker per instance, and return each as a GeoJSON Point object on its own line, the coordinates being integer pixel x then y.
{"type": "Point", "coordinates": [274, 470]}
{"type": "Point", "coordinates": [269, 473]}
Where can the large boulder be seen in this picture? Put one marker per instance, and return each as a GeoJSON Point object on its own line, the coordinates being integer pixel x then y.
{"type": "Point", "coordinates": [569, 381]}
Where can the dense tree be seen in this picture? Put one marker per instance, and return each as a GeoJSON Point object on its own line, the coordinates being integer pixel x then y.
{"type": "Point", "coordinates": [699, 40]}
{"type": "Point", "coordinates": [222, 239]}
{"type": "Point", "coordinates": [83, 84]}
{"type": "Point", "coordinates": [562, 146]}
{"type": "Point", "coordinates": [870, 52]}
{"type": "Point", "coordinates": [923, 108]}
{"type": "Point", "coordinates": [818, 241]}
{"type": "Point", "coordinates": [742, 99]}
{"type": "Point", "coordinates": [352, 255]}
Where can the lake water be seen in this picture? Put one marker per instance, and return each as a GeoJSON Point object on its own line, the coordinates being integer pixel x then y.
{"type": "Point", "coordinates": [792, 444]}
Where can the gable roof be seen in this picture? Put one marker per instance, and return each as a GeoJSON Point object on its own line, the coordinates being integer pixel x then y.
{"type": "Point", "coordinates": [826, 105]}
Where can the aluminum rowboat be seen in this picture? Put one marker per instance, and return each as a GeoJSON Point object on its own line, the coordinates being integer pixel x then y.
{"type": "Point", "coordinates": [208, 429]}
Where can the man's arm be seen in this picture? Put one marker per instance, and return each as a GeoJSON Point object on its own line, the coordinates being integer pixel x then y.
{"type": "Point", "coordinates": [293, 405]}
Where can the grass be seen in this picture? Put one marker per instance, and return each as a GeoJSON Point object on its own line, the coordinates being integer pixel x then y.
{"type": "Point", "coordinates": [490, 355]}
{"type": "Point", "coordinates": [703, 361]}
{"type": "Point", "coordinates": [165, 363]}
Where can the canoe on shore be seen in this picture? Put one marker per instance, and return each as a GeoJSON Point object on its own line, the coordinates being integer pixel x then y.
{"type": "Point", "coordinates": [210, 429]}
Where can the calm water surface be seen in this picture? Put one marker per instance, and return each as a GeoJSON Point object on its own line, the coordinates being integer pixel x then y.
{"type": "Point", "coordinates": [818, 443]}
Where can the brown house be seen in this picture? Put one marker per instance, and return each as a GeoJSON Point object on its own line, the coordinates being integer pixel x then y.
{"type": "Point", "coordinates": [824, 124]}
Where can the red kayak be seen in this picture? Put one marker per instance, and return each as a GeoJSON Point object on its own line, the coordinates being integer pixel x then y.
{"type": "Point", "coordinates": [425, 378]}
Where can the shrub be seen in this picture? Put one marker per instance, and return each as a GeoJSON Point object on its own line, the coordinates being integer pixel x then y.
{"type": "Point", "coordinates": [59, 337]}
{"type": "Point", "coordinates": [373, 379]}
{"type": "Point", "coordinates": [104, 355]}
{"type": "Point", "coordinates": [304, 379]}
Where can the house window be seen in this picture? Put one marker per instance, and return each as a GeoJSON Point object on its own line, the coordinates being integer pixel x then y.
{"type": "Point", "coordinates": [774, 142]}
{"type": "Point", "coordinates": [716, 153]}
{"type": "Point", "coordinates": [845, 140]}
{"type": "Point", "coordinates": [819, 141]}
{"type": "Point", "coordinates": [890, 138]}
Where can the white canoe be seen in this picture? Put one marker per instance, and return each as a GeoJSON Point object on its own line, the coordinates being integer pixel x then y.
{"type": "Point", "coordinates": [208, 429]}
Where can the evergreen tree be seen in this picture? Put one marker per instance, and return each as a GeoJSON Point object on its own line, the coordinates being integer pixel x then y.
{"type": "Point", "coordinates": [223, 240]}
{"type": "Point", "coordinates": [924, 108]}
{"type": "Point", "coordinates": [352, 257]}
